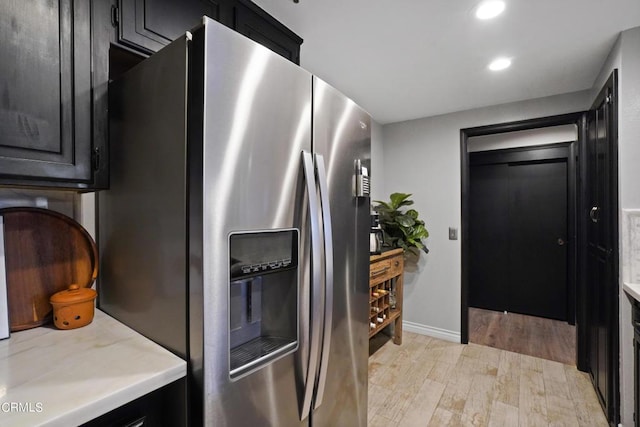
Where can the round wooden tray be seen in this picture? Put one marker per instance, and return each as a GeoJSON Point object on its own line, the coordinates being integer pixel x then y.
{"type": "Point", "coordinates": [45, 252]}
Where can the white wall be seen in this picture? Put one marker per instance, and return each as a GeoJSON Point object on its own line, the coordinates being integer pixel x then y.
{"type": "Point", "coordinates": [87, 215]}
{"type": "Point", "coordinates": [377, 167]}
{"type": "Point", "coordinates": [422, 157]}
{"type": "Point", "coordinates": [64, 202]}
{"type": "Point", "coordinates": [624, 56]}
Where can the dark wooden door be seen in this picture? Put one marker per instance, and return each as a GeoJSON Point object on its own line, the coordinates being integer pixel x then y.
{"type": "Point", "coordinates": [518, 237]}
{"type": "Point", "coordinates": [488, 236]}
{"type": "Point", "coordinates": [537, 224]}
{"type": "Point", "coordinates": [45, 92]}
{"type": "Point", "coordinates": [601, 249]}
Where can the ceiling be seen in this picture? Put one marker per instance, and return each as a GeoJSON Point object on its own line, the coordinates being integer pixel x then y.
{"type": "Point", "coordinates": [422, 58]}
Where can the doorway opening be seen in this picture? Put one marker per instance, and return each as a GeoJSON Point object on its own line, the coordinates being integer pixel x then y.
{"type": "Point", "coordinates": [523, 210]}
{"type": "Point", "coordinates": [593, 265]}
{"type": "Point", "coordinates": [522, 290]}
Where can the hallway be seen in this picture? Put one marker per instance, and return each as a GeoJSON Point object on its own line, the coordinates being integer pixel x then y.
{"type": "Point", "coordinates": [535, 336]}
{"type": "Point", "coordinates": [430, 382]}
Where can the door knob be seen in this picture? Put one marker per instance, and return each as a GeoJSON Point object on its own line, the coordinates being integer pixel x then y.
{"type": "Point", "coordinates": [561, 242]}
{"type": "Point", "coordinates": [593, 213]}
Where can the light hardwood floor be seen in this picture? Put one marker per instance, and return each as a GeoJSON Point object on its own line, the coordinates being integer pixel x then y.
{"type": "Point", "coordinates": [430, 382]}
{"type": "Point", "coordinates": [535, 336]}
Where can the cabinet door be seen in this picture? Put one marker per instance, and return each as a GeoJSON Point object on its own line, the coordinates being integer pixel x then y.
{"type": "Point", "coordinates": [261, 27]}
{"type": "Point", "coordinates": [45, 92]}
{"type": "Point", "coordinates": [161, 407]}
{"type": "Point", "coordinates": [148, 25]}
{"type": "Point", "coordinates": [601, 216]}
{"type": "Point", "coordinates": [636, 380]}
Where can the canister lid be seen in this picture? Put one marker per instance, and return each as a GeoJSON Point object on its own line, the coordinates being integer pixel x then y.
{"type": "Point", "coordinates": [73, 294]}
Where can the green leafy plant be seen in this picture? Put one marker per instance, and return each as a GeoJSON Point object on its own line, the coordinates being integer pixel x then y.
{"type": "Point", "coordinates": [401, 229]}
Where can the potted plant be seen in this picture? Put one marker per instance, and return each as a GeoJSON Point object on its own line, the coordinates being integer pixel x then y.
{"type": "Point", "coordinates": [401, 229]}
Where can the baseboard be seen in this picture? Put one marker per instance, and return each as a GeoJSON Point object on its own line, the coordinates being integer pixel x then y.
{"type": "Point", "coordinates": [431, 331]}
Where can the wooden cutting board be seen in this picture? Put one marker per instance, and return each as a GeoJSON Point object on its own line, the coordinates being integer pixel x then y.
{"type": "Point", "coordinates": [45, 252]}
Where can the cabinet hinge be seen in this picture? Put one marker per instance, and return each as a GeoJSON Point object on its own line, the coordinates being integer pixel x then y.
{"type": "Point", "coordinates": [114, 15]}
{"type": "Point", "coordinates": [95, 159]}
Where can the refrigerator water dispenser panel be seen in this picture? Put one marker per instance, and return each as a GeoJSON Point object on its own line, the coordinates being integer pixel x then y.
{"type": "Point", "coordinates": [263, 299]}
{"type": "Point", "coordinates": [257, 253]}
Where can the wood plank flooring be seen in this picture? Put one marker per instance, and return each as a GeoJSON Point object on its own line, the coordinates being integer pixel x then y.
{"type": "Point", "coordinates": [534, 336]}
{"type": "Point", "coordinates": [430, 382]}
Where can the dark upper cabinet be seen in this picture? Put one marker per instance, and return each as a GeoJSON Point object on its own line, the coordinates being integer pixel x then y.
{"type": "Point", "coordinates": [260, 27]}
{"type": "Point", "coordinates": [45, 94]}
{"type": "Point", "coordinates": [57, 59]}
{"type": "Point", "coordinates": [148, 25]}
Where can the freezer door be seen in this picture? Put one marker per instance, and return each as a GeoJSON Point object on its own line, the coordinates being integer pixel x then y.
{"type": "Point", "coordinates": [256, 124]}
{"type": "Point", "coordinates": [341, 137]}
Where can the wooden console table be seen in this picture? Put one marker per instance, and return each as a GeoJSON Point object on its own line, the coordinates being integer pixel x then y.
{"type": "Point", "coordinates": [385, 292]}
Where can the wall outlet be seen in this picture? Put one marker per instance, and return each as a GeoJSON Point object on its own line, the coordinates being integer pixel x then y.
{"type": "Point", "coordinates": [453, 233]}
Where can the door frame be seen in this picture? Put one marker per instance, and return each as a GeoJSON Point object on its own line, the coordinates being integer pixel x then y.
{"type": "Point", "coordinates": [578, 119]}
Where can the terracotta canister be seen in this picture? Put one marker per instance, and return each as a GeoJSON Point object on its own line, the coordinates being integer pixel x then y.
{"type": "Point", "coordinates": [73, 307]}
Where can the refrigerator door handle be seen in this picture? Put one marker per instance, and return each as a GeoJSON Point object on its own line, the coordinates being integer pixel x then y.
{"type": "Point", "coordinates": [316, 286]}
{"type": "Point", "coordinates": [328, 278]}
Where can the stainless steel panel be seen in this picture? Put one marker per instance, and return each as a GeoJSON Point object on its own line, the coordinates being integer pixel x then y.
{"type": "Point", "coordinates": [142, 217]}
{"type": "Point", "coordinates": [342, 135]}
{"type": "Point", "coordinates": [257, 109]}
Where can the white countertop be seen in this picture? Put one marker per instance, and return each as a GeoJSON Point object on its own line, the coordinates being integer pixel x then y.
{"type": "Point", "coordinates": [50, 377]}
{"type": "Point", "coordinates": [632, 289]}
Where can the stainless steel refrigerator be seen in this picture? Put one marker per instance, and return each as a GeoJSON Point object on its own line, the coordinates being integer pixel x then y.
{"type": "Point", "coordinates": [235, 230]}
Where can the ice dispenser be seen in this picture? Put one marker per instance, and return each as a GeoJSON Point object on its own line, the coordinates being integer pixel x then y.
{"type": "Point", "coordinates": [263, 298]}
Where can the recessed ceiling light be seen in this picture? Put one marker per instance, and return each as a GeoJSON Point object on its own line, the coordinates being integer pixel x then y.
{"type": "Point", "coordinates": [490, 9]}
{"type": "Point", "coordinates": [499, 64]}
